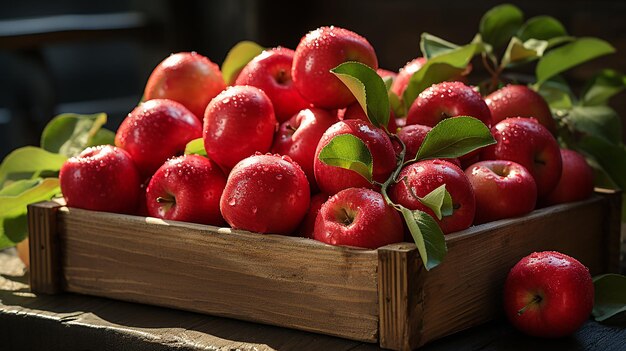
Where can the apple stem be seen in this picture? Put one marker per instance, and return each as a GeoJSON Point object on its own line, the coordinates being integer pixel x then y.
{"type": "Point", "coordinates": [163, 200]}
{"type": "Point", "coordinates": [536, 299]}
{"type": "Point", "coordinates": [290, 127]}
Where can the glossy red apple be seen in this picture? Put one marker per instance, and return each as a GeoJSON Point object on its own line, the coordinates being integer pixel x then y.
{"type": "Point", "coordinates": [266, 194]}
{"type": "Point", "coordinates": [187, 188]}
{"type": "Point", "coordinates": [519, 101]}
{"type": "Point", "coordinates": [525, 141]}
{"type": "Point", "coordinates": [355, 111]}
{"type": "Point", "coordinates": [447, 99]}
{"type": "Point", "coordinates": [237, 123]}
{"type": "Point", "coordinates": [101, 178]}
{"type": "Point", "coordinates": [358, 217]}
{"type": "Point", "coordinates": [503, 189]}
{"type": "Point", "coordinates": [155, 131]}
{"type": "Point", "coordinates": [308, 223]}
{"type": "Point", "coordinates": [322, 50]}
{"type": "Point", "coordinates": [548, 294]}
{"type": "Point", "coordinates": [420, 178]}
{"type": "Point", "coordinates": [298, 138]}
{"type": "Point", "coordinates": [331, 179]}
{"type": "Point", "coordinates": [271, 72]}
{"type": "Point", "coordinates": [188, 78]}
{"type": "Point", "coordinates": [576, 182]}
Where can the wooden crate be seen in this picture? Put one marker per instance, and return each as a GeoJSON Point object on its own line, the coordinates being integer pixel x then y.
{"type": "Point", "coordinates": [381, 296]}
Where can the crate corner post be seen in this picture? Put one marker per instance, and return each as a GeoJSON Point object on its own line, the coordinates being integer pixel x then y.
{"type": "Point", "coordinates": [400, 297]}
{"type": "Point", "coordinates": [45, 270]}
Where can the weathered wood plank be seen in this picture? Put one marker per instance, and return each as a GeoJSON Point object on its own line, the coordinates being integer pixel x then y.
{"type": "Point", "coordinates": [293, 282]}
{"type": "Point", "coordinates": [400, 279]}
{"type": "Point", "coordinates": [44, 248]}
{"type": "Point", "coordinates": [465, 290]}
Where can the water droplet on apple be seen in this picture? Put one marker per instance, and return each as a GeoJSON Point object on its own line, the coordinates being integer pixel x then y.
{"type": "Point", "coordinates": [232, 201]}
{"type": "Point", "coordinates": [279, 176]}
{"type": "Point", "coordinates": [254, 209]}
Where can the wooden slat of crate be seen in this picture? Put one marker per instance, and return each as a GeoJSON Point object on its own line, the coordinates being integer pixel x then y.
{"type": "Point", "coordinates": [283, 281]}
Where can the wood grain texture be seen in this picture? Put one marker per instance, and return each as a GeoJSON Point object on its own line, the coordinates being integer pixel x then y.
{"type": "Point", "coordinates": [612, 229]}
{"type": "Point", "coordinates": [466, 289]}
{"type": "Point", "coordinates": [284, 281]}
{"type": "Point", "coordinates": [400, 296]}
{"type": "Point", "coordinates": [44, 248]}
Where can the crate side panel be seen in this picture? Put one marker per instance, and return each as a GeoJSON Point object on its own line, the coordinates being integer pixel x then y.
{"type": "Point", "coordinates": [291, 282]}
{"type": "Point", "coordinates": [466, 289]}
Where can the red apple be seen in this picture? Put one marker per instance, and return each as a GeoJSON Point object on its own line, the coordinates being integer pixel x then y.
{"type": "Point", "coordinates": [187, 188]}
{"type": "Point", "coordinates": [413, 136]}
{"type": "Point", "coordinates": [101, 178]}
{"type": "Point", "coordinates": [358, 217]}
{"type": "Point", "coordinates": [266, 194]}
{"type": "Point", "coordinates": [331, 179]}
{"type": "Point", "coordinates": [447, 99]}
{"type": "Point", "coordinates": [355, 111]}
{"type": "Point", "coordinates": [298, 137]}
{"type": "Point", "coordinates": [420, 178]}
{"type": "Point", "coordinates": [525, 141]}
{"type": "Point", "coordinates": [308, 223]}
{"type": "Point", "coordinates": [155, 131]}
{"type": "Point", "coordinates": [576, 182]}
{"type": "Point", "coordinates": [520, 101]}
{"type": "Point", "coordinates": [237, 123]}
{"type": "Point", "coordinates": [322, 50]}
{"type": "Point", "coordinates": [548, 294]}
{"type": "Point", "coordinates": [188, 78]}
{"type": "Point", "coordinates": [503, 189]}
{"type": "Point", "coordinates": [385, 73]}
{"type": "Point", "coordinates": [271, 72]}
{"type": "Point", "coordinates": [404, 75]}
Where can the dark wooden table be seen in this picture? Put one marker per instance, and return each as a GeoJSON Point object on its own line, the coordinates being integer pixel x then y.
{"type": "Point", "coordinates": [75, 322]}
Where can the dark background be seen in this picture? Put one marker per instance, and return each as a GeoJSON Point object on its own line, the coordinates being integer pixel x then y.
{"type": "Point", "coordinates": [94, 56]}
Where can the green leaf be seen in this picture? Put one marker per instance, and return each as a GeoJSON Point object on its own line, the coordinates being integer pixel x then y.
{"type": "Point", "coordinates": [388, 82]}
{"type": "Point", "coordinates": [441, 68]}
{"type": "Point", "coordinates": [432, 46]}
{"type": "Point", "coordinates": [499, 24]}
{"type": "Point", "coordinates": [602, 87]}
{"type": "Point", "coordinates": [610, 156]}
{"type": "Point", "coordinates": [368, 88]}
{"type": "Point", "coordinates": [29, 160]}
{"type": "Point", "coordinates": [13, 202]}
{"type": "Point", "coordinates": [570, 55]}
{"type": "Point", "coordinates": [439, 201]}
{"type": "Point", "coordinates": [541, 28]}
{"type": "Point", "coordinates": [609, 296]}
{"type": "Point", "coordinates": [103, 137]}
{"type": "Point", "coordinates": [428, 237]}
{"type": "Point", "coordinates": [69, 133]}
{"type": "Point", "coordinates": [195, 147]}
{"type": "Point", "coordinates": [349, 152]}
{"type": "Point", "coordinates": [521, 52]}
{"type": "Point", "coordinates": [599, 121]}
{"type": "Point", "coordinates": [557, 93]}
{"type": "Point", "coordinates": [455, 137]}
{"type": "Point", "coordinates": [601, 178]}
{"type": "Point", "coordinates": [237, 58]}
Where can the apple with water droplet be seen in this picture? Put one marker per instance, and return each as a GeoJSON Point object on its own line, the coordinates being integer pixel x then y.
{"type": "Point", "coordinates": [155, 131]}
{"type": "Point", "coordinates": [548, 294]}
{"type": "Point", "coordinates": [358, 217]}
{"type": "Point", "coordinates": [266, 194]}
{"type": "Point", "coordinates": [237, 123]}
{"type": "Point", "coordinates": [503, 189]}
{"type": "Point", "coordinates": [525, 141]}
{"type": "Point", "coordinates": [331, 179]}
{"type": "Point", "coordinates": [420, 178]}
{"type": "Point", "coordinates": [318, 52]}
{"type": "Point", "coordinates": [270, 71]}
{"type": "Point", "coordinates": [520, 101]}
{"type": "Point", "coordinates": [101, 178]}
{"type": "Point", "coordinates": [576, 181]}
{"type": "Point", "coordinates": [187, 188]}
{"type": "Point", "coordinates": [298, 138]}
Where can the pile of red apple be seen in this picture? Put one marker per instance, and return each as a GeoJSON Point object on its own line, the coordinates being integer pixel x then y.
{"type": "Point", "coordinates": [263, 136]}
